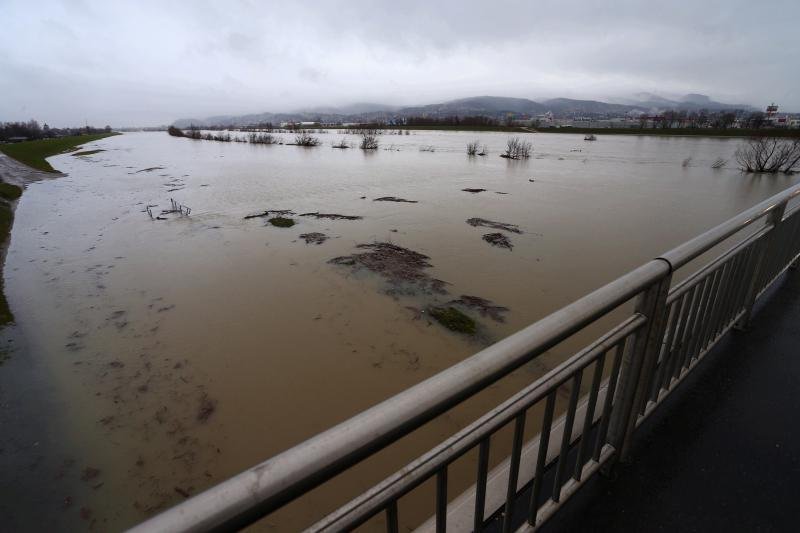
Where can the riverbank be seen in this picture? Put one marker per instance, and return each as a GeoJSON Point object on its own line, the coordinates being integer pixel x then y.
{"type": "Point", "coordinates": [14, 176]}
{"type": "Point", "coordinates": [21, 164]}
{"type": "Point", "coordinates": [35, 153]}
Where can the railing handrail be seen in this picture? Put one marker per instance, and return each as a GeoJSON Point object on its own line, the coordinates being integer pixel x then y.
{"type": "Point", "coordinates": [254, 493]}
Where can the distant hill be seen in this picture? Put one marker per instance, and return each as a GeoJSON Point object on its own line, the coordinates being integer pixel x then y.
{"type": "Point", "coordinates": [568, 106]}
{"type": "Point", "coordinates": [490, 106]}
{"type": "Point", "coordinates": [689, 102]}
{"type": "Point", "coordinates": [477, 105]}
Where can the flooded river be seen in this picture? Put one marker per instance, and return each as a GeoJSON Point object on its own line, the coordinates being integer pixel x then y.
{"type": "Point", "coordinates": [153, 358]}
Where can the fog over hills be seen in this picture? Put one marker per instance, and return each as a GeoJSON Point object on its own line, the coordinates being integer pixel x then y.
{"type": "Point", "coordinates": [491, 106]}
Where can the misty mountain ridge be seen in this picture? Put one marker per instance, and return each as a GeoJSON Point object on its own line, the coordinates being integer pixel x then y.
{"type": "Point", "coordinates": [492, 106]}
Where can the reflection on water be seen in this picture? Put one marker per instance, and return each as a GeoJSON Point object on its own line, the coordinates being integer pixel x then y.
{"type": "Point", "coordinates": [156, 358]}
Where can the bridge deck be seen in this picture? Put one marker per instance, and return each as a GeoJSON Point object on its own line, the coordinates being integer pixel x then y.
{"type": "Point", "coordinates": [723, 453]}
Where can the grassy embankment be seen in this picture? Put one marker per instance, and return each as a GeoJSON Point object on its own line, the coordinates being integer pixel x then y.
{"type": "Point", "coordinates": [33, 154]}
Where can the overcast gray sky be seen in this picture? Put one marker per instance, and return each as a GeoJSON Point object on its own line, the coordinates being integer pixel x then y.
{"type": "Point", "coordinates": [149, 62]}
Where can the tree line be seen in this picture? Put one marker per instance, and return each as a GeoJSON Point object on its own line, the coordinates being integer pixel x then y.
{"type": "Point", "coordinates": [31, 130]}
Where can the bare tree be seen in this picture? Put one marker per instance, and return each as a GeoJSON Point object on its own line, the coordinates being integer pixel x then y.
{"type": "Point", "coordinates": [769, 154]}
{"type": "Point", "coordinates": [516, 148]}
{"type": "Point", "coordinates": [473, 147]}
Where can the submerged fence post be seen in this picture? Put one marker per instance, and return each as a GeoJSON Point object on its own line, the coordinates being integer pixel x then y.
{"type": "Point", "coordinates": [638, 364]}
{"type": "Point", "coordinates": [775, 218]}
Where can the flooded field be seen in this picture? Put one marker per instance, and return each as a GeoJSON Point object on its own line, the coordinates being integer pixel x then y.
{"type": "Point", "coordinates": [153, 358]}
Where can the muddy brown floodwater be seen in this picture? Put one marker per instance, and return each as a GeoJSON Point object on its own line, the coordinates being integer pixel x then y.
{"type": "Point", "coordinates": [155, 356]}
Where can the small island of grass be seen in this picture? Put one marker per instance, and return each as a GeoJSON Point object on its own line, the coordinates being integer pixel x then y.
{"type": "Point", "coordinates": [282, 222]}
{"type": "Point", "coordinates": [453, 319]}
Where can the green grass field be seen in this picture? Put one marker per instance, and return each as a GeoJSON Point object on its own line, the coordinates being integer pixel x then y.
{"type": "Point", "coordinates": [33, 153]}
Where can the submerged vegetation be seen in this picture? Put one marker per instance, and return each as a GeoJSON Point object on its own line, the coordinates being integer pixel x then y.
{"type": "Point", "coordinates": [304, 138]}
{"type": "Point", "coordinates": [498, 239]}
{"type": "Point", "coordinates": [475, 148]}
{"type": "Point", "coordinates": [262, 138]}
{"type": "Point", "coordinates": [403, 269]}
{"type": "Point", "coordinates": [34, 153]}
{"type": "Point", "coordinates": [453, 319]}
{"type": "Point", "coordinates": [769, 154]}
{"type": "Point", "coordinates": [369, 139]}
{"type": "Point", "coordinates": [314, 237]}
{"type": "Point", "coordinates": [476, 222]}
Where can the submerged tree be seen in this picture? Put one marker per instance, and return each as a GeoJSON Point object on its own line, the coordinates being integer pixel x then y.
{"type": "Point", "coordinates": [516, 148]}
{"type": "Point", "coordinates": [473, 147]}
{"type": "Point", "coordinates": [769, 154]}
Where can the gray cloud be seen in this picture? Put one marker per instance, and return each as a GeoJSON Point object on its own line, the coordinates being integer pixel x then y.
{"type": "Point", "coordinates": [149, 62]}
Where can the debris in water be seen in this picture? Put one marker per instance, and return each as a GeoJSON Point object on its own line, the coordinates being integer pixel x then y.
{"type": "Point", "coordinates": [314, 238]}
{"type": "Point", "coordinates": [279, 212]}
{"type": "Point", "coordinates": [207, 408]}
{"type": "Point", "coordinates": [498, 239]}
{"type": "Point", "coordinates": [473, 191]}
{"type": "Point", "coordinates": [282, 222]}
{"type": "Point", "coordinates": [453, 319]}
{"type": "Point", "coordinates": [90, 473]}
{"type": "Point", "coordinates": [331, 216]}
{"type": "Point", "coordinates": [394, 199]}
{"type": "Point", "coordinates": [499, 192]}
{"type": "Point", "coordinates": [150, 169]}
{"type": "Point", "coordinates": [395, 264]}
{"type": "Point", "coordinates": [483, 306]}
{"type": "Point", "coordinates": [513, 228]}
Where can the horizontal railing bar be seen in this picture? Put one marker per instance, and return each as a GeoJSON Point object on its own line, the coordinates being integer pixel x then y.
{"type": "Point", "coordinates": [686, 284]}
{"type": "Point", "coordinates": [680, 255]}
{"type": "Point", "coordinates": [419, 470]}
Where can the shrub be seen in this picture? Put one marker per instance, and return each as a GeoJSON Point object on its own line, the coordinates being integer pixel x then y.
{"type": "Point", "coordinates": [306, 139]}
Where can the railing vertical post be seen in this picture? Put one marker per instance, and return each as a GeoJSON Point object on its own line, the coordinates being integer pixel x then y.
{"type": "Point", "coordinates": [763, 252]}
{"type": "Point", "coordinates": [638, 363]}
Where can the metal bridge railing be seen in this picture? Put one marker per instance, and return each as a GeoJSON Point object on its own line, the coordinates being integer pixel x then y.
{"type": "Point", "coordinates": [629, 370]}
